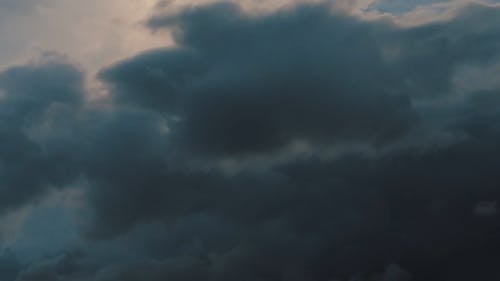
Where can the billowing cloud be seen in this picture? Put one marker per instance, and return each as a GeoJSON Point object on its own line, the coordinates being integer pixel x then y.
{"type": "Point", "coordinates": [36, 99]}
{"type": "Point", "coordinates": [241, 83]}
{"type": "Point", "coordinates": [244, 84]}
{"type": "Point", "coordinates": [188, 170]}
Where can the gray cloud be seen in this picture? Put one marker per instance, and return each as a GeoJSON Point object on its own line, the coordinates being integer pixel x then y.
{"type": "Point", "coordinates": [9, 265]}
{"type": "Point", "coordinates": [257, 87]}
{"type": "Point", "coordinates": [398, 204]}
{"type": "Point", "coordinates": [42, 93]}
{"type": "Point", "coordinates": [243, 84]}
{"type": "Point", "coordinates": [399, 6]}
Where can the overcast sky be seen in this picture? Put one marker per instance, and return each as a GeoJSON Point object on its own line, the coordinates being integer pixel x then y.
{"type": "Point", "coordinates": [252, 140]}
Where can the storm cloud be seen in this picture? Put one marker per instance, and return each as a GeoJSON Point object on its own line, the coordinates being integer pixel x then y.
{"type": "Point", "coordinates": [245, 84]}
{"type": "Point", "coordinates": [301, 144]}
{"type": "Point", "coordinates": [35, 100]}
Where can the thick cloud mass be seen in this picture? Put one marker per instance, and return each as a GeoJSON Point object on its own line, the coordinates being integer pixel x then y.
{"type": "Point", "coordinates": [34, 100]}
{"type": "Point", "coordinates": [243, 85]}
{"type": "Point", "coordinates": [298, 145]}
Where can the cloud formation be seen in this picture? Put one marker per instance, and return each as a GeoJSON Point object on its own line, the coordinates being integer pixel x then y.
{"type": "Point", "coordinates": [189, 171]}
{"type": "Point", "coordinates": [35, 100]}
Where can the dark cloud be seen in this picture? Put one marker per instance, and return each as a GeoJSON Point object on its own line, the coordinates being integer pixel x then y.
{"type": "Point", "coordinates": [154, 79]}
{"type": "Point", "coordinates": [429, 54]}
{"type": "Point", "coordinates": [69, 266]}
{"type": "Point", "coordinates": [35, 100]}
{"type": "Point", "coordinates": [314, 219]}
{"type": "Point", "coordinates": [127, 155]}
{"type": "Point", "coordinates": [245, 84]}
{"type": "Point", "coordinates": [9, 265]}
{"type": "Point", "coordinates": [402, 6]}
{"type": "Point", "coordinates": [256, 86]}
{"type": "Point", "coordinates": [352, 216]}
{"type": "Point", "coordinates": [250, 85]}
{"type": "Point", "coordinates": [186, 170]}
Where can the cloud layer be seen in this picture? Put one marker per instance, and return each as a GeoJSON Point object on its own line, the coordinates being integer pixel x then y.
{"type": "Point", "coordinates": [303, 144]}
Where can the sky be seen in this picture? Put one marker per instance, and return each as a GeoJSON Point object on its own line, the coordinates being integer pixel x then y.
{"type": "Point", "coordinates": [252, 140]}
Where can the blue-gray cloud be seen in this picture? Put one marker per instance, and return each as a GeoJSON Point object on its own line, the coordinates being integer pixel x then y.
{"type": "Point", "coordinates": [241, 84]}
{"type": "Point", "coordinates": [396, 204]}
{"type": "Point", "coordinates": [35, 95]}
